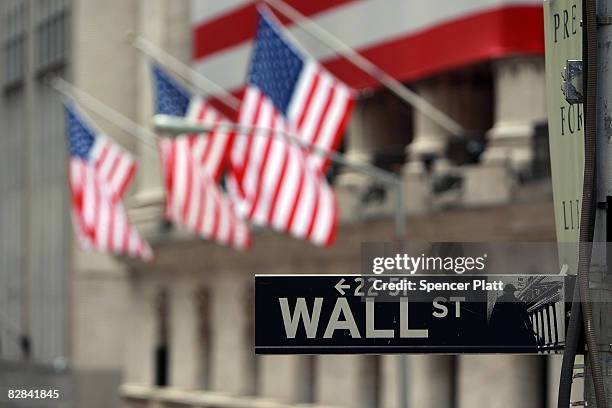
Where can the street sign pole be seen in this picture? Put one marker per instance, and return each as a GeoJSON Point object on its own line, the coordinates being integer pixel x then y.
{"type": "Point", "coordinates": [600, 280]}
{"type": "Point", "coordinates": [570, 29]}
{"type": "Point", "coordinates": [578, 91]}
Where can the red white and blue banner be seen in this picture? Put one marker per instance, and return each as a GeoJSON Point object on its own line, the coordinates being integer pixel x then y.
{"type": "Point", "coordinates": [408, 39]}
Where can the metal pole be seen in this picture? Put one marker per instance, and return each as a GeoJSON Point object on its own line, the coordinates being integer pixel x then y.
{"type": "Point", "coordinates": [400, 237]}
{"type": "Point", "coordinates": [177, 125]}
{"type": "Point", "coordinates": [184, 71]}
{"type": "Point", "coordinates": [68, 90]}
{"type": "Point", "coordinates": [400, 226]}
{"type": "Point", "coordinates": [600, 285]}
{"type": "Point", "coordinates": [395, 86]}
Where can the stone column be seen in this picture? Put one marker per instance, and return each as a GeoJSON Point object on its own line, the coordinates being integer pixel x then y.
{"type": "Point", "coordinates": [141, 331]}
{"type": "Point", "coordinates": [111, 326]}
{"type": "Point", "coordinates": [101, 304]}
{"type": "Point", "coordinates": [429, 140]}
{"type": "Point", "coordinates": [500, 381]}
{"type": "Point", "coordinates": [390, 381]}
{"type": "Point", "coordinates": [184, 342]}
{"type": "Point", "coordinates": [162, 23]}
{"type": "Point", "coordinates": [519, 104]}
{"type": "Point", "coordinates": [346, 381]}
{"type": "Point", "coordinates": [379, 123]}
{"type": "Point", "coordinates": [379, 128]}
{"type": "Point", "coordinates": [285, 378]}
{"type": "Point", "coordinates": [232, 351]}
{"type": "Point", "coordinates": [152, 27]}
{"type": "Point", "coordinates": [431, 381]}
{"type": "Point", "coordinates": [359, 145]}
{"type": "Point", "coordinates": [365, 132]}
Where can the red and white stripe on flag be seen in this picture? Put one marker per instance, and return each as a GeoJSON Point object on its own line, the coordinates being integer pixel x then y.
{"type": "Point", "coordinates": [193, 198]}
{"type": "Point", "coordinates": [319, 110]}
{"type": "Point", "coordinates": [211, 151]}
{"type": "Point", "coordinates": [99, 219]}
{"type": "Point", "coordinates": [113, 165]}
{"type": "Point", "coordinates": [277, 186]}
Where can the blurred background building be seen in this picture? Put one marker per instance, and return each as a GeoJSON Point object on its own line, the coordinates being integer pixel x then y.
{"type": "Point", "coordinates": [179, 331]}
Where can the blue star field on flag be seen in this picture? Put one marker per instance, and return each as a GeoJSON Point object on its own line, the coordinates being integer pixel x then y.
{"type": "Point", "coordinates": [80, 136]}
{"type": "Point", "coordinates": [171, 98]}
{"type": "Point", "coordinates": [275, 65]}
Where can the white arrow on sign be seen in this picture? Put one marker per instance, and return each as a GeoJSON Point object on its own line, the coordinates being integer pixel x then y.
{"type": "Point", "coordinates": [340, 287]}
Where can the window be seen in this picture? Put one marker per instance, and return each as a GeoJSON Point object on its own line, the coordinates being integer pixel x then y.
{"type": "Point", "coordinates": [52, 33]}
{"type": "Point", "coordinates": [13, 27]}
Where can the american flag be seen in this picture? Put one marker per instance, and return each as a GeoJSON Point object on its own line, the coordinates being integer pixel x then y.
{"type": "Point", "coordinates": [193, 198]}
{"type": "Point", "coordinates": [192, 164]}
{"type": "Point", "coordinates": [99, 173]}
{"type": "Point", "coordinates": [282, 185]}
{"type": "Point", "coordinates": [171, 98]}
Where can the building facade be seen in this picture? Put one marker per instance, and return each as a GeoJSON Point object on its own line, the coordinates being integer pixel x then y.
{"type": "Point", "coordinates": [179, 331]}
{"type": "Point", "coordinates": [35, 231]}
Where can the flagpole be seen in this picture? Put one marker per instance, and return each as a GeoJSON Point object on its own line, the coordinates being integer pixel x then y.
{"type": "Point", "coordinates": [395, 86]}
{"type": "Point", "coordinates": [65, 88]}
{"type": "Point", "coordinates": [188, 74]}
{"type": "Point", "coordinates": [176, 125]}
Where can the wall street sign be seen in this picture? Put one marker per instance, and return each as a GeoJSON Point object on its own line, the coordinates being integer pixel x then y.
{"type": "Point", "coordinates": [563, 35]}
{"type": "Point", "coordinates": [344, 314]}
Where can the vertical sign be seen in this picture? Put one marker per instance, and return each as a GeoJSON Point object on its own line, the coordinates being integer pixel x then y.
{"type": "Point", "coordinates": [563, 35]}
